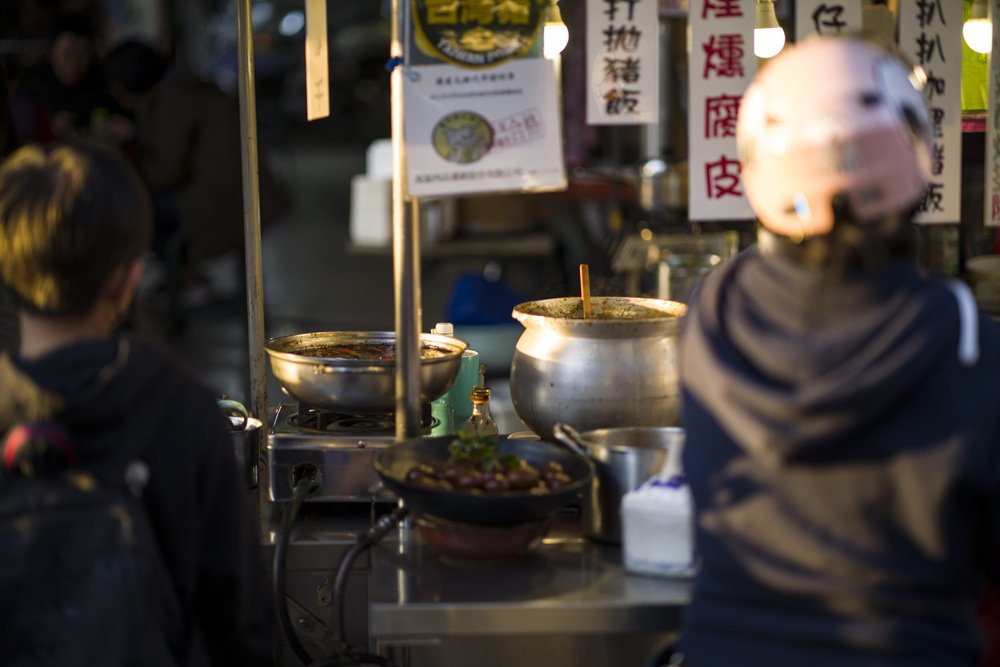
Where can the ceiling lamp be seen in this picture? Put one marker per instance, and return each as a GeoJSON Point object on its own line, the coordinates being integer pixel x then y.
{"type": "Point", "coordinates": [978, 29]}
{"type": "Point", "coordinates": [555, 34]}
{"type": "Point", "coordinates": [768, 35]}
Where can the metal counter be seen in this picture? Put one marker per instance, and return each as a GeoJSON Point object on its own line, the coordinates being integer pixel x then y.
{"type": "Point", "coordinates": [569, 598]}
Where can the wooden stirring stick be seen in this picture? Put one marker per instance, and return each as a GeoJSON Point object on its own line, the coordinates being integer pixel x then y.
{"type": "Point", "coordinates": [585, 290]}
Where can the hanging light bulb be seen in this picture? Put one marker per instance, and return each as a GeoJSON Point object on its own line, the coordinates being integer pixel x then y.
{"type": "Point", "coordinates": [768, 35]}
{"type": "Point", "coordinates": [978, 29]}
{"type": "Point", "coordinates": [555, 34]}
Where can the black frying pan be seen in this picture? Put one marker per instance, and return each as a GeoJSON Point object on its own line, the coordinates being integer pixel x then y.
{"type": "Point", "coordinates": [502, 508]}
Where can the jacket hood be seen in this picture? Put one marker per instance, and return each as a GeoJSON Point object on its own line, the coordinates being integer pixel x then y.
{"type": "Point", "coordinates": [89, 387]}
{"type": "Point", "coordinates": [789, 359]}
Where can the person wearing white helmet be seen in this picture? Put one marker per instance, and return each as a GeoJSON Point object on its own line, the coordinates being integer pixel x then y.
{"type": "Point", "coordinates": [841, 408]}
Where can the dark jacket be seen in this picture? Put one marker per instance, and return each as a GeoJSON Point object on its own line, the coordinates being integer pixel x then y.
{"type": "Point", "coordinates": [845, 468]}
{"type": "Point", "coordinates": [189, 141]}
{"type": "Point", "coordinates": [106, 391]}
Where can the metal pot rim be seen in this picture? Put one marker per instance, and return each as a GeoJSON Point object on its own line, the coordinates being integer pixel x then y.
{"type": "Point", "coordinates": [562, 313]}
{"type": "Point", "coordinates": [282, 347]}
{"type": "Point", "coordinates": [587, 438]}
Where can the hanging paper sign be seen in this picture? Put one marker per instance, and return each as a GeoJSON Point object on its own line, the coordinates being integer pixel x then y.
{"type": "Point", "coordinates": [827, 18]}
{"type": "Point", "coordinates": [476, 33]}
{"type": "Point", "coordinates": [930, 32]}
{"type": "Point", "coordinates": [720, 66]}
{"type": "Point", "coordinates": [623, 49]}
{"type": "Point", "coordinates": [473, 132]}
{"type": "Point", "coordinates": [317, 61]}
{"type": "Point", "coordinates": [991, 207]}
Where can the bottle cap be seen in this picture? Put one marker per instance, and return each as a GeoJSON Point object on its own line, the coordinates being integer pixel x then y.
{"type": "Point", "coordinates": [480, 395]}
{"type": "Point", "coordinates": [444, 329]}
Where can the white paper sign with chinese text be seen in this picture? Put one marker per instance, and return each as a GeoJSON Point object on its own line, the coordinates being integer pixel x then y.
{"type": "Point", "coordinates": [930, 32]}
{"type": "Point", "coordinates": [827, 18]}
{"type": "Point", "coordinates": [475, 131]}
{"type": "Point", "coordinates": [623, 49]}
{"type": "Point", "coordinates": [991, 207]}
{"type": "Point", "coordinates": [720, 66]}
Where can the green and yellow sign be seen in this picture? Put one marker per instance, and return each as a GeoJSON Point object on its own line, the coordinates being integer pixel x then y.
{"type": "Point", "coordinates": [477, 33]}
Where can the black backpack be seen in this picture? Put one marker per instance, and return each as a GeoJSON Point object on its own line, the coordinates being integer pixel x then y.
{"type": "Point", "coordinates": [82, 580]}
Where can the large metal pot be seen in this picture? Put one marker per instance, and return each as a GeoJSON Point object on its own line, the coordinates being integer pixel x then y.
{"type": "Point", "coordinates": [618, 368]}
{"type": "Point", "coordinates": [308, 373]}
{"type": "Point", "coordinates": [623, 458]}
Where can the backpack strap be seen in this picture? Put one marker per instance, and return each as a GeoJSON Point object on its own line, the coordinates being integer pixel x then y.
{"type": "Point", "coordinates": [37, 448]}
{"type": "Point", "coordinates": [34, 448]}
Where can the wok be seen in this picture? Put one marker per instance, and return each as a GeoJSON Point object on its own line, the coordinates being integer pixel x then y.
{"type": "Point", "coordinates": [503, 508]}
{"type": "Point", "coordinates": [305, 371]}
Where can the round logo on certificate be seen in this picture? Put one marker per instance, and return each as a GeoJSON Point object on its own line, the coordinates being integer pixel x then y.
{"type": "Point", "coordinates": [462, 137]}
{"type": "Point", "coordinates": [478, 33]}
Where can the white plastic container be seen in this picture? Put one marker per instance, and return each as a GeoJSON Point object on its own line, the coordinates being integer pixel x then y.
{"type": "Point", "coordinates": [657, 528]}
{"type": "Point", "coordinates": [658, 523]}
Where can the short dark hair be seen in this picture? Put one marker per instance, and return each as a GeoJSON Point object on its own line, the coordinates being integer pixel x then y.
{"type": "Point", "coordinates": [70, 215]}
{"type": "Point", "coordinates": [135, 66]}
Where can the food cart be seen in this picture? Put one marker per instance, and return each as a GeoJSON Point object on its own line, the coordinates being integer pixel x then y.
{"type": "Point", "coordinates": [570, 600]}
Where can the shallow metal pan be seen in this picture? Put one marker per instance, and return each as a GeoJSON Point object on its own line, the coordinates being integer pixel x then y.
{"type": "Point", "coordinates": [356, 385]}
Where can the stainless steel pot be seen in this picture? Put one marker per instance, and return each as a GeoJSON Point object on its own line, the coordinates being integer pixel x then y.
{"type": "Point", "coordinates": [246, 432]}
{"type": "Point", "coordinates": [246, 444]}
{"type": "Point", "coordinates": [357, 385]}
{"type": "Point", "coordinates": [618, 368]}
{"type": "Point", "coordinates": [623, 458]}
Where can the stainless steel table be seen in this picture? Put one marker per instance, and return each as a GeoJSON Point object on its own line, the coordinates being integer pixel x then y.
{"type": "Point", "coordinates": [569, 602]}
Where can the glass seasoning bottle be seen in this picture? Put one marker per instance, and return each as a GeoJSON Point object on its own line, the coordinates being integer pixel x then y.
{"type": "Point", "coordinates": [481, 422]}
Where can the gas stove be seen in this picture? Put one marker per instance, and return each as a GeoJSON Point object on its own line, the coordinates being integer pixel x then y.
{"type": "Point", "coordinates": [341, 447]}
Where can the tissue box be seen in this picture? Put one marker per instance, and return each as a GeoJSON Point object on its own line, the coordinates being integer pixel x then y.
{"type": "Point", "coordinates": [658, 529]}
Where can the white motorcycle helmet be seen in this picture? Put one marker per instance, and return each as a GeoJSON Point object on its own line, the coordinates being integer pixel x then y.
{"type": "Point", "coordinates": [833, 117]}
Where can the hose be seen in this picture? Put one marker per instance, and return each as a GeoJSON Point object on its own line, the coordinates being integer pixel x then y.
{"type": "Point", "coordinates": [348, 657]}
{"type": "Point", "coordinates": [366, 540]}
{"type": "Point", "coordinates": [299, 493]}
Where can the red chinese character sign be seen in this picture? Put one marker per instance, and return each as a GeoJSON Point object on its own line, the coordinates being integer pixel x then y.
{"type": "Point", "coordinates": [623, 51]}
{"type": "Point", "coordinates": [930, 33]}
{"type": "Point", "coordinates": [829, 18]}
{"type": "Point", "coordinates": [720, 66]}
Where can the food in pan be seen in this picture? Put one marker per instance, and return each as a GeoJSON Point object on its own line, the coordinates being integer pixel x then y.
{"type": "Point", "coordinates": [474, 465]}
{"type": "Point", "coordinates": [371, 351]}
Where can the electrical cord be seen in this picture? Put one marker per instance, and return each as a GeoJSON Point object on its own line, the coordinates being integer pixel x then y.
{"type": "Point", "coordinates": [299, 493]}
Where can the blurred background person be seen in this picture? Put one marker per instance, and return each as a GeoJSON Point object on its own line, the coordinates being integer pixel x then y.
{"type": "Point", "coordinates": [67, 93]}
{"type": "Point", "coordinates": [185, 141]}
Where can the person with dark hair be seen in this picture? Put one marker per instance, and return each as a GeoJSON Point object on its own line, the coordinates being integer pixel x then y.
{"type": "Point", "coordinates": [840, 407]}
{"type": "Point", "coordinates": [75, 224]}
{"type": "Point", "coordinates": [67, 90]}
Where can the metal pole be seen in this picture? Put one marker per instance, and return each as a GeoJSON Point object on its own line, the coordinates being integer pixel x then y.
{"type": "Point", "coordinates": [406, 257]}
{"type": "Point", "coordinates": [251, 216]}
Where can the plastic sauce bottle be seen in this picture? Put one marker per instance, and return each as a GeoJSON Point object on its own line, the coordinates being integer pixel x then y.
{"type": "Point", "coordinates": [481, 422]}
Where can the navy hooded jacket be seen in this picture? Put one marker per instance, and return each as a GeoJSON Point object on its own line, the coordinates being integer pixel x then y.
{"type": "Point", "coordinates": [845, 467]}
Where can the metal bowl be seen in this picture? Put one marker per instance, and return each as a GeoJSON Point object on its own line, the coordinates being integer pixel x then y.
{"type": "Point", "coordinates": [357, 385]}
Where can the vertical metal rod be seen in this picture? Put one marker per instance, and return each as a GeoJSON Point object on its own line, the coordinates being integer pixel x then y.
{"type": "Point", "coordinates": [406, 257]}
{"type": "Point", "coordinates": [251, 215]}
